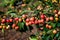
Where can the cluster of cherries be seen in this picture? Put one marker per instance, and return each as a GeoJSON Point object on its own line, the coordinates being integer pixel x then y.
{"type": "Point", "coordinates": [30, 21]}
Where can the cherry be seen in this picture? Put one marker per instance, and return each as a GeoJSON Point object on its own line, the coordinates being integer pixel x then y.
{"type": "Point", "coordinates": [56, 19]}
{"type": "Point", "coordinates": [42, 20]}
{"type": "Point", "coordinates": [13, 26]}
{"type": "Point", "coordinates": [36, 21]}
{"type": "Point", "coordinates": [39, 21]}
{"type": "Point", "coordinates": [27, 24]}
{"type": "Point", "coordinates": [56, 15]}
{"type": "Point", "coordinates": [47, 19]}
{"type": "Point", "coordinates": [42, 16]}
{"type": "Point", "coordinates": [3, 20]}
{"type": "Point", "coordinates": [32, 18]}
{"type": "Point", "coordinates": [20, 20]}
{"type": "Point", "coordinates": [54, 31]}
{"type": "Point", "coordinates": [30, 23]}
{"type": "Point", "coordinates": [8, 27]}
{"type": "Point", "coordinates": [27, 20]}
{"type": "Point", "coordinates": [23, 5]}
{"type": "Point", "coordinates": [0, 27]}
{"type": "Point", "coordinates": [16, 19]}
{"type": "Point", "coordinates": [51, 18]}
{"type": "Point", "coordinates": [47, 26]}
{"type": "Point", "coordinates": [11, 20]}
{"type": "Point", "coordinates": [7, 20]}
{"type": "Point", "coordinates": [59, 12]}
{"type": "Point", "coordinates": [16, 28]}
{"type": "Point", "coordinates": [4, 27]}
{"type": "Point", "coordinates": [24, 16]}
{"type": "Point", "coordinates": [55, 11]}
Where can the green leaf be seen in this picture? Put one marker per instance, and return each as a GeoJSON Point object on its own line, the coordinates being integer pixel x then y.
{"type": "Point", "coordinates": [26, 11]}
{"type": "Point", "coordinates": [13, 14]}
{"type": "Point", "coordinates": [21, 25]}
{"type": "Point", "coordinates": [37, 3]}
{"type": "Point", "coordinates": [58, 24]}
{"type": "Point", "coordinates": [53, 24]}
{"type": "Point", "coordinates": [49, 32]}
{"type": "Point", "coordinates": [34, 38]}
{"type": "Point", "coordinates": [57, 35]}
{"type": "Point", "coordinates": [47, 37]}
{"type": "Point", "coordinates": [3, 30]}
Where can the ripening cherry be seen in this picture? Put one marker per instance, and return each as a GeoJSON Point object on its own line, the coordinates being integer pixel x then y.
{"type": "Point", "coordinates": [54, 31]}
{"type": "Point", "coordinates": [30, 22]}
{"type": "Point", "coordinates": [51, 18]}
{"type": "Point", "coordinates": [8, 27]}
{"type": "Point", "coordinates": [0, 27]}
{"type": "Point", "coordinates": [56, 19]}
{"type": "Point", "coordinates": [27, 24]}
{"type": "Point", "coordinates": [47, 19]}
{"type": "Point", "coordinates": [42, 20]}
{"type": "Point", "coordinates": [59, 12]}
{"type": "Point", "coordinates": [3, 20]}
{"type": "Point", "coordinates": [56, 15]}
{"type": "Point", "coordinates": [17, 27]}
{"type": "Point", "coordinates": [24, 16]}
{"type": "Point", "coordinates": [13, 26]}
{"type": "Point", "coordinates": [4, 27]}
{"type": "Point", "coordinates": [32, 18]}
{"type": "Point", "coordinates": [23, 5]}
{"type": "Point", "coordinates": [55, 11]}
{"type": "Point", "coordinates": [20, 19]}
{"type": "Point", "coordinates": [47, 26]}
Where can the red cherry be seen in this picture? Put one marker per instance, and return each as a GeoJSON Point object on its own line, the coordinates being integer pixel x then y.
{"type": "Point", "coordinates": [7, 20]}
{"type": "Point", "coordinates": [51, 18]}
{"type": "Point", "coordinates": [3, 20]}
{"type": "Point", "coordinates": [27, 20]}
{"type": "Point", "coordinates": [39, 21]}
{"type": "Point", "coordinates": [16, 19]}
{"type": "Point", "coordinates": [32, 18]}
{"type": "Point", "coordinates": [32, 22]}
{"type": "Point", "coordinates": [42, 20]}
{"type": "Point", "coordinates": [11, 20]}
{"type": "Point", "coordinates": [13, 26]}
{"type": "Point", "coordinates": [36, 21]}
{"type": "Point", "coordinates": [16, 28]}
{"type": "Point", "coordinates": [42, 16]}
